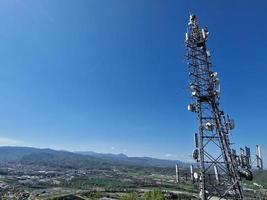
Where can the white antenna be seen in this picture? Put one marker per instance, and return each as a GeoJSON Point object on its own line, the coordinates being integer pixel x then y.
{"type": "Point", "coordinates": [177, 173]}
{"type": "Point", "coordinates": [216, 174]}
{"type": "Point", "coordinates": [259, 157]}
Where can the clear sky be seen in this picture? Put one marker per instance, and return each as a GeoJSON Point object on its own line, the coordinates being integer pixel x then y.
{"type": "Point", "coordinates": [110, 75]}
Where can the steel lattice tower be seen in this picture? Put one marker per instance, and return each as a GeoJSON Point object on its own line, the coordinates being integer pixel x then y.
{"type": "Point", "coordinates": [218, 171]}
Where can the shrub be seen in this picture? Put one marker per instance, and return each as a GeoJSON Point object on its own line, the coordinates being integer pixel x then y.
{"type": "Point", "coordinates": [131, 196]}
{"type": "Point", "coordinates": [154, 195]}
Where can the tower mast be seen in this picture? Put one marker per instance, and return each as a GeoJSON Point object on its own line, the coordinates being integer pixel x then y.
{"type": "Point", "coordinates": [218, 174]}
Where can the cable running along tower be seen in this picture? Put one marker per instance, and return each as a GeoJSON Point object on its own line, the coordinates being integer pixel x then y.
{"type": "Point", "coordinates": [219, 170]}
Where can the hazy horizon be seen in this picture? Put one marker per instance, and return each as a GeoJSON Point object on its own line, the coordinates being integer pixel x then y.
{"type": "Point", "coordinates": [166, 157]}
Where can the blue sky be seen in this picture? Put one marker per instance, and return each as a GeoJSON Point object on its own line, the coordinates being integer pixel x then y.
{"type": "Point", "coordinates": [110, 75]}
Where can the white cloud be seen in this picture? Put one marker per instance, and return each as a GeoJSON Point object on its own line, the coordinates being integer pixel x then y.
{"type": "Point", "coordinates": [112, 148]}
{"type": "Point", "coordinates": [8, 141]}
{"type": "Point", "coordinates": [168, 155]}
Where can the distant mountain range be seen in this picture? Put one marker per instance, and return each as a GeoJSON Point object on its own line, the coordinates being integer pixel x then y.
{"type": "Point", "coordinates": [102, 155]}
{"type": "Point", "coordinates": [80, 159]}
{"type": "Point", "coordinates": [143, 161]}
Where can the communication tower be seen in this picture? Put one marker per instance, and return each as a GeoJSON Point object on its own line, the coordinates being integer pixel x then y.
{"type": "Point", "coordinates": [219, 168]}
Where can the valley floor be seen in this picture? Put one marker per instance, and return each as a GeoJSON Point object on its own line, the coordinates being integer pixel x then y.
{"type": "Point", "coordinates": [48, 183]}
